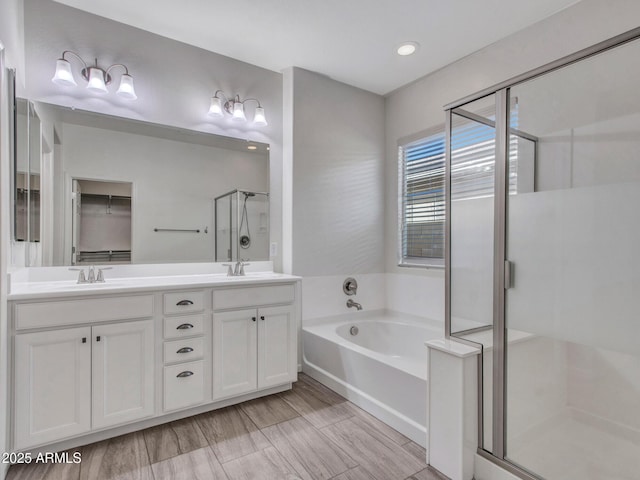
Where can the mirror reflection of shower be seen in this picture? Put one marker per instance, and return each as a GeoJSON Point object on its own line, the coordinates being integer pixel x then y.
{"type": "Point", "coordinates": [242, 226]}
{"type": "Point", "coordinates": [245, 235]}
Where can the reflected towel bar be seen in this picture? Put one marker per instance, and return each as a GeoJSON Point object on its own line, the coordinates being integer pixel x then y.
{"type": "Point", "coordinates": [175, 230]}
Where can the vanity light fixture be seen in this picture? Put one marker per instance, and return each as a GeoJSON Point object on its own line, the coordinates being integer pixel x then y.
{"type": "Point", "coordinates": [97, 78]}
{"type": "Point", "coordinates": [235, 107]}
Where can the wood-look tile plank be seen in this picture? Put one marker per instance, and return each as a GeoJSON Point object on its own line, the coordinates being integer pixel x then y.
{"type": "Point", "coordinates": [199, 464]}
{"type": "Point", "coordinates": [327, 393]}
{"type": "Point", "coordinates": [376, 453]}
{"type": "Point", "coordinates": [369, 422]}
{"type": "Point", "coordinates": [357, 473]}
{"type": "Point", "coordinates": [231, 433]}
{"type": "Point", "coordinates": [119, 458]}
{"type": "Point", "coordinates": [320, 406]}
{"type": "Point", "coordinates": [307, 450]}
{"type": "Point", "coordinates": [174, 438]}
{"type": "Point", "coordinates": [266, 464]}
{"type": "Point", "coordinates": [46, 471]}
{"type": "Point", "coordinates": [267, 411]}
{"type": "Point", "coordinates": [428, 473]}
{"type": "Point", "coordinates": [418, 452]}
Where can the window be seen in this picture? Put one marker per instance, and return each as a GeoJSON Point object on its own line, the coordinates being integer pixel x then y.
{"type": "Point", "coordinates": [422, 182]}
{"type": "Point", "coordinates": [422, 200]}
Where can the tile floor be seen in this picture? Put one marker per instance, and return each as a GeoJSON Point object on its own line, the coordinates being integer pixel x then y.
{"type": "Point", "coordinates": [306, 433]}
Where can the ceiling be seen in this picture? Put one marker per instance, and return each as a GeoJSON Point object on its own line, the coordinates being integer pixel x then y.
{"type": "Point", "coordinates": [352, 41]}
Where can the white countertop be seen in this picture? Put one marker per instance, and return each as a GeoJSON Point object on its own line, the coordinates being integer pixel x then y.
{"type": "Point", "coordinates": [69, 288]}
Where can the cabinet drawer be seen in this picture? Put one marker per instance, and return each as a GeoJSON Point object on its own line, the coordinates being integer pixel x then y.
{"type": "Point", "coordinates": [183, 302]}
{"type": "Point", "coordinates": [185, 326]}
{"type": "Point", "coordinates": [73, 312]}
{"type": "Point", "coordinates": [252, 296]}
{"type": "Point", "coordinates": [183, 350]}
{"type": "Point", "coordinates": [183, 385]}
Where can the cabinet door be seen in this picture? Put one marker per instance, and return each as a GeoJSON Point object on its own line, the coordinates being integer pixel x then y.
{"type": "Point", "coordinates": [52, 385]}
{"type": "Point", "coordinates": [123, 360]}
{"type": "Point", "coordinates": [277, 351]}
{"type": "Point", "coordinates": [234, 353]}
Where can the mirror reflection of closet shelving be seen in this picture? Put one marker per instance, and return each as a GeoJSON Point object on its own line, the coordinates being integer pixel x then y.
{"type": "Point", "coordinates": [101, 222]}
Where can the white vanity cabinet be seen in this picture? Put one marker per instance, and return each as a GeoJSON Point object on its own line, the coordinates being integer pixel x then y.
{"type": "Point", "coordinates": [122, 372]}
{"type": "Point", "coordinates": [254, 348]}
{"type": "Point", "coordinates": [69, 381]}
{"type": "Point", "coordinates": [90, 365]}
{"type": "Point", "coordinates": [52, 378]}
{"type": "Point", "coordinates": [184, 350]}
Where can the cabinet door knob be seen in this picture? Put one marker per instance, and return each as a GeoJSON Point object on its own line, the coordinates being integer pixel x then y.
{"type": "Point", "coordinates": [261, 317]}
{"type": "Point", "coordinates": [184, 374]}
{"type": "Point", "coordinates": [84, 339]}
{"type": "Point", "coordinates": [185, 350]}
{"type": "Point", "coordinates": [184, 326]}
{"type": "Point", "coordinates": [183, 303]}
{"type": "Point", "coordinates": [253, 319]}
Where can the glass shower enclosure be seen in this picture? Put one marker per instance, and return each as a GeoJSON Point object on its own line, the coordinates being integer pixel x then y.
{"type": "Point", "coordinates": [543, 263]}
{"type": "Point", "coordinates": [242, 226]}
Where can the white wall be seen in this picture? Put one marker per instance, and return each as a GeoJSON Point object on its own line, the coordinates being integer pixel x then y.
{"type": "Point", "coordinates": [338, 205]}
{"type": "Point", "coordinates": [338, 202]}
{"type": "Point", "coordinates": [11, 56]}
{"type": "Point", "coordinates": [174, 81]}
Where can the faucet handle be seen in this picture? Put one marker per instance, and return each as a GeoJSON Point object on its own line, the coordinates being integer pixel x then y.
{"type": "Point", "coordinates": [229, 269]}
{"type": "Point", "coordinates": [100, 278]}
{"type": "Point", "coordinates": [81, 277]}
{"type": "Point", "coordinates": [242, 265]}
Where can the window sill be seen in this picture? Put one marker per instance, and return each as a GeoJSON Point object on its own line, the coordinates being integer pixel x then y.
{"type": "Point", "coordinates": [434, 266]}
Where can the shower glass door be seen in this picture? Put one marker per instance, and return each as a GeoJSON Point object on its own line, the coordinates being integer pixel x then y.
{"type": "Point", "coordinates": [572, 312]}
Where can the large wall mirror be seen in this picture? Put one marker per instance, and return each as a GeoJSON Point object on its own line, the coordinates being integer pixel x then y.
{"type": "Point", "coordinates": [126, 191]}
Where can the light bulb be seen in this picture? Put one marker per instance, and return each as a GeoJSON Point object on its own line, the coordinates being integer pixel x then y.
{"type": "Point", "coordinates": [215, 110]}
{"type": "Point", "coordinates": [238, 112]}
{"type": "Point", "coordinates": [126, 89]}
{"type": "Point", "coordinates": [96, 80]}
{"type": "Point", "coordinates": [63, 75]}
{"type": "Point", "coordinates": [259, 118]}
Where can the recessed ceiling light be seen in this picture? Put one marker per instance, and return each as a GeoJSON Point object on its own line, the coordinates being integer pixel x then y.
{"type": "Point", "coordinates": [407, 48]}
{"type": "Point", "coordinates": [252, 147]}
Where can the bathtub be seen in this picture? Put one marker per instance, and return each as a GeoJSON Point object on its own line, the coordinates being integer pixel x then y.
{"type": "Point", "coordinates": [382, 368]}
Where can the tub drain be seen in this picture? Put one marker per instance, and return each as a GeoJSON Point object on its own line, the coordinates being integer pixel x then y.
{"type": "Point", "coordinates": [353, 330]}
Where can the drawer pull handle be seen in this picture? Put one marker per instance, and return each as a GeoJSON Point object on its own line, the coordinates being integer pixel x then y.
{"type": "Point", "coordinates": [185, 350]}
{"type": "Point", "coordinates": [184, 303]}
{"type": "Point", "coordinates": [184, 374]}
{"type": "Point", "coordinates": [261, 317]}
{"type": "Point", "coordinates": [184, 326]}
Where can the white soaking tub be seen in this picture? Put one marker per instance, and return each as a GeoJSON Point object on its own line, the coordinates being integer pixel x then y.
{"type": "Point", "coordinates": [382, 368]}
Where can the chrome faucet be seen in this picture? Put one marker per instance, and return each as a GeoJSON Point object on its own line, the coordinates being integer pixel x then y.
{"type": "Point", "coordinates": [351, 303]}
{"type": "Point", "coordinates": [91, 277]}
{"type": "Point", "coordinates": [237, 270]}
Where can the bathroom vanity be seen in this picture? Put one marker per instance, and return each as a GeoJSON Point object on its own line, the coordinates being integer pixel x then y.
{"type": "Point", "coordinates": [91, 361]}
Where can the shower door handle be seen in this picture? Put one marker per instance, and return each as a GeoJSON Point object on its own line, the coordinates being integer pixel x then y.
{"type": "Point", "coordinates": [508, 275]}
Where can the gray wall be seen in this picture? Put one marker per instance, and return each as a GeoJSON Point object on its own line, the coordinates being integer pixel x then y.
{"type": "Point", "coordinates": [338, 202]}
{"type": "Point", "coordinates": [174, 81]}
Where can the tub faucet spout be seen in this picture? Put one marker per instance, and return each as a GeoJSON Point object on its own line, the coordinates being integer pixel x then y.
{"type": "Point", "coordinates": [351, 303]}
